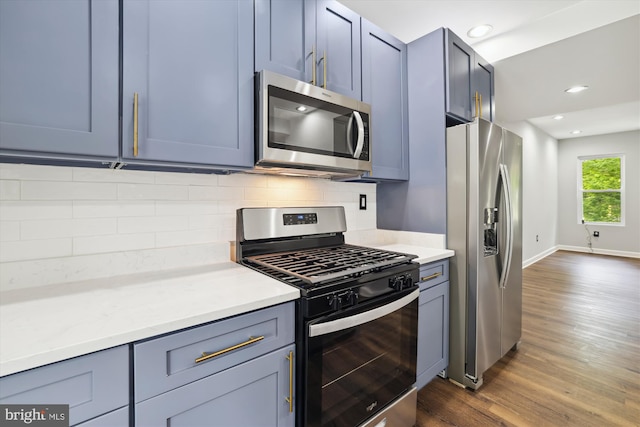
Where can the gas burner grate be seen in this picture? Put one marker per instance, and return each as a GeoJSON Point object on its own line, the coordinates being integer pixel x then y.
{"type": "Point", "coordinates": [320, 265]}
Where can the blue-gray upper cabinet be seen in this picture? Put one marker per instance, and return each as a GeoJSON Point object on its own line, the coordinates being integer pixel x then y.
{"type": "Point", "coordinates": [291, 34]}
{"type": "Point", "coordinates": [191, 66]}
{"type": "Point", "coordinates": [384, 86]}
{"type": "Point", "coordinates": [59, 79]}
{"type": "Point", "coordinates": [469, 83]}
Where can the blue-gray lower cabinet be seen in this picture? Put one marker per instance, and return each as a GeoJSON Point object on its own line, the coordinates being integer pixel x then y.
{"type": "Point", "coordinates": [117, 418]}
{"type": "Point", "coordinates": [92, 385]}
{"type": "Point", "coordinates": [59, 79]}
{"type": "Point", "coordinates": [384, 86]}
{"type": "Point", "coordinates": [253, 393]}
{"type": "Point", "coordinates": [233, 372]}
{"type": "Point", "coordinates": [191, 66]}
{"type": "Point", "coordinates": [433, 322]}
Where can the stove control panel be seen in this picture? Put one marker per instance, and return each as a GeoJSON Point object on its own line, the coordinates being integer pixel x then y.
{"type": "Point", "coordinates": [300, 219]}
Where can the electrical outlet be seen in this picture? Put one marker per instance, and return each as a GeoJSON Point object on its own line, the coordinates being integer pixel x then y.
{"type": "Point", "coordinates": [363, 202]}
{"type": "Point", "coordinates": [596, 234]}
{"type": "Point", "coordinates": [536, 237]}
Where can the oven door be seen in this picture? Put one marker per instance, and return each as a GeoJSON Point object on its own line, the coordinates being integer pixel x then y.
{"type": "Point", "coordinates": [360, 360]}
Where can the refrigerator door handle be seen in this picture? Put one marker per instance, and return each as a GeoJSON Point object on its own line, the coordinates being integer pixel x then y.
{"type": "Point", "coordinates": [506, 187]}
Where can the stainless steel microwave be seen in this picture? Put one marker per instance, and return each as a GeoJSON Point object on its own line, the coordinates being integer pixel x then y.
{"type": "Point", "coordinates": [305, 129]}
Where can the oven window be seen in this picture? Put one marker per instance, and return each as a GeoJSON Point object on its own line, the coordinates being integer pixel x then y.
{"type": "Point", "coordinates": [304, 124]}
{"type": "Point", "coordinates": [353, 373]}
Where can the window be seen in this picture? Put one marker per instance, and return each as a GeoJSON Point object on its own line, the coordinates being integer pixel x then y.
{"type": "Point", "coordinates": [601, 189]}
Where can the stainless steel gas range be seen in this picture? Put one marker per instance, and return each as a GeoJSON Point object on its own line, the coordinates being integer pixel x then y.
{"type": "Point", "coordinates": [356, 320]}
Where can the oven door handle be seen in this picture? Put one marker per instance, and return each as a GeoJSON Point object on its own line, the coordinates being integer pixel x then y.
{"type": "Point", "coordinates": [360, 318]}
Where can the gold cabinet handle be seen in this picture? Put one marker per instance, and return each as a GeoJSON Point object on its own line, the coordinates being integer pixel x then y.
{"type": "Point", "coordinates": [433, 276]}
{"type": "Point", "coordinates": [206, 356]}
{"type": "Point", "coordinates": [475, 99]}
{"type": "Point", "coordinates": [313, 62]}
{"type": "Point", "coordinates": [289, 399]}
{"type": "Point", "coordinates": [324, 67]}
{"type": "Point", "coordinates": [135, 124]}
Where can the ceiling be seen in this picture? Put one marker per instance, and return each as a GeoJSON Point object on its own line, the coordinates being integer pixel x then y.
{"type": "Point", "coordinates": [539, 48]}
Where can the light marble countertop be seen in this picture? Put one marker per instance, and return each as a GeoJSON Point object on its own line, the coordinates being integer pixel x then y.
{"type": "Point", "coordinates": [425, 255]}
{"type": "Point", "coordinates": [43, 325]}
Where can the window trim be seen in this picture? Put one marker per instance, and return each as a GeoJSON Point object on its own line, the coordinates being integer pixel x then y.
{"type": "Point", "coordinates": [581, 191]}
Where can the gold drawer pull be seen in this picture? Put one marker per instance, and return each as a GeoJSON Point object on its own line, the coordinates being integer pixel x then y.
{"type": "Point", "coordinates": [289, 399]}
{"type": "Point", "coordinates": [206, 356]}
{"type": "Point", "coordinates": [433, 276]}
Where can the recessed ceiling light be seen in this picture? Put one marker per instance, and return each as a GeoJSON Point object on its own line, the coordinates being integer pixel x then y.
{"type": "Point", "coordinates": [479, 31]}
{"type": "Point", "coordinates": [575, 132]}
{"type": "Point", "coordinates": [301, 108]}
{"type": "Point", "coordinates": [576, 89]}
{"type": "Point", "coordinates": [558, 117]}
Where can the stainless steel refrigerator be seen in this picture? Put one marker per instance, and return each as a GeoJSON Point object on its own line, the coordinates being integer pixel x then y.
{"type": "Point", "coordinates": [484, 228]}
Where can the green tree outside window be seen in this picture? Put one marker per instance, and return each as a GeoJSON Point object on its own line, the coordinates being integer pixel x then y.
{"type": "Point", "coordinates": [602, 189]}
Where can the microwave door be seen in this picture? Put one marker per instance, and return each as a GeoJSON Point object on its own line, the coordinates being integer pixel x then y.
{"type": "Point", "coordinates": [304, 124]}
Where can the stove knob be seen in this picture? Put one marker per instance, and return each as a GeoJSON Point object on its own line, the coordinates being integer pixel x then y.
{"type": "Point", "coordinates": [408, 281]}
{"type": "Point", "coordinates": [335, 302]}
{"type": "Point", "coordinates": [351, 298]}
{"type": "Point", "coordinates": [395, 283]}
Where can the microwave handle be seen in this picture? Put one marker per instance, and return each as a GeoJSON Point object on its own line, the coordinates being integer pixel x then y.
{"type": "Point", "coordinates": [360, 142]}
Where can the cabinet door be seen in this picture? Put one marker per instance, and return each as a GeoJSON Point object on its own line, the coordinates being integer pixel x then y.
{"type": "Point", "coordinates": [433, 333]}
{"type": "Point", "coordinates": [91, 385]}
{"type": "Point", "coordinates": [285, 37]}
{"type": "Point", "coordinates": [118, 418]}
{"type": "Point", "coordinates": [59, 78]}
{"type": "Point", "coordinates": [459, 60]}
{"type": "Point", "coordinates": [483, 83]}
{"type": "Point", "coordinates": [338, 39]}
{"type": "Point", "coordinates": [250, 394]}
{"type": "Point", "coordinates": [192, 65]}
{"type": "Point", "coordinates": [384, 86]}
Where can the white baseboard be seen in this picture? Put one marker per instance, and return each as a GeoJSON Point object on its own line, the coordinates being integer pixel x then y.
{"type": "Point", "coordinates": [538, 257]}
{"type": "Point", "coordinates": [598, 251]}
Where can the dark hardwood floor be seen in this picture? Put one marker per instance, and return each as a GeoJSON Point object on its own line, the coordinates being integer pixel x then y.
{"type": "Point", "coordinates": [579, 360]}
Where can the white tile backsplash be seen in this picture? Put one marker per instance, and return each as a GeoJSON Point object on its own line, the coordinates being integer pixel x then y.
{"type": "Point", "coordinates": [55, 228]}
{"type": "Point", "coordinates": [34, 172]}
{"type": "Point", "coordinates": [34, 249]}
{"type": "Point", "coordinates": [59, 190]}
{"type": "Point", "coordinates": [9, 190]}
{"type": "Point", "coordinates": [25, 210]}
{"type": "Point", "coordinates": [113, 243]}
{"type": "Point", "coordinates": [63, 224]}
{"type": "Point", "coordinates": [152, 192]}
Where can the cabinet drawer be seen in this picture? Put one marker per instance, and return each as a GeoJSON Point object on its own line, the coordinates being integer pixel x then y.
{"type": "Point", "coordinates": [167, 362]}
{"type": "Point", "coordinates": [91, 385]}
{"type": "Point", "coordinates": [434, 273]}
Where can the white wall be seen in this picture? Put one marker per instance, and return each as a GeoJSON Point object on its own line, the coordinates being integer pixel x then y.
{"type": "Point", "coordinates": [615, 240]}
{"type": "Point", "coordinates": [540, 195]}
{"type": "Point", "coordinates": [61, 224]}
